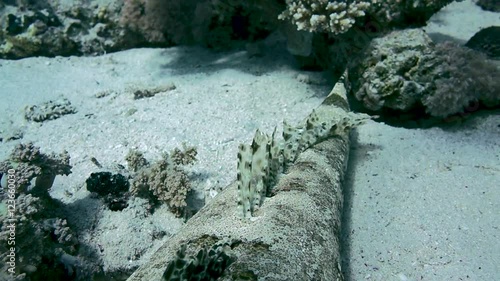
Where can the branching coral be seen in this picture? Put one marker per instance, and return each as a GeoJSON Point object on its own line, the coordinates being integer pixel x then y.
{"type": "Point", "coordinates": [136, 161]}
{"type": "Point", "coordinates": [28, 222]}
{"type": "Point", "coordinates": [323, 15]}
{"type": "Point", "coordinates": [165, 181]}
{"type": "Point", "coordinates": [213, 23]}
{"type": "Point", "coordinates": [186, 156]}
{"type": "Point", "coordinates": [29, 163]}
{"type": "Point", "coordinates": [338, 17]}
{"type": "Point", "coordinates": [23, 227]}
{"type": "Point", "coordinates": [49, 110]}
{"type": "Point", "coordinates": [463, 77]}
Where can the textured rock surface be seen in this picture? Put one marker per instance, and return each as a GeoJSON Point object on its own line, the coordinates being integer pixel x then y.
{"type": "Point", "coordinates": [405, 70]}
{"type": "Point", "coordinates": [56, 27]}
{"type": "Point", "coordinates": [387, 73]}
{"type": "Point", "coordinates": [487, 41]}
{"type": "Point", "coordinates": [330, 33]}
{"type": "Point", "coordinates": [489, 5]}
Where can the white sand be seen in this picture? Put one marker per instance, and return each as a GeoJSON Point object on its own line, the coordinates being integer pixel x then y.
{"type": "Point", "coordinates": [424, 204]}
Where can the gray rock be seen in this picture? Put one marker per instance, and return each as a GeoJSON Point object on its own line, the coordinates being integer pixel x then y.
{"type": "Point", "coordinates": [489, 5]}
{"type": "Point", "coordinates": [292, 236]}
{"type": "Point", "coordinates": [405, 70]}
{"type": "Point", "coordinates": [387, 73]}
{"type": "Point", "coordinates": [55, 29]}
{"type": "Point", "coordinates": [487, 41]}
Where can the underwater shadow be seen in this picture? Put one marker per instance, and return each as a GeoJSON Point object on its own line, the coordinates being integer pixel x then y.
{"type": "Point", "coordinates": [357, 154]}
{"type": "Point", "coordinates": [83, 216]}
{"type": "Point", "coordinates": [268, 57]}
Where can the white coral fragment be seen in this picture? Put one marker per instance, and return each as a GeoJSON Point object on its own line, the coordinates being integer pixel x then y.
{"type": "Point", "coordinates": [312, 15]}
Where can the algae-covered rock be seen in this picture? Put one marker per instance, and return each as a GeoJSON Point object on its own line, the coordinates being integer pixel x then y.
{"type": "Point", "coordinates": [489, 5]}
{"type": "Point", "coordinates": [388, 72]}
{"type": "Point", "coordinates": [54, 28]}
{"type": "Point", "coordinates": [405, 70]}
